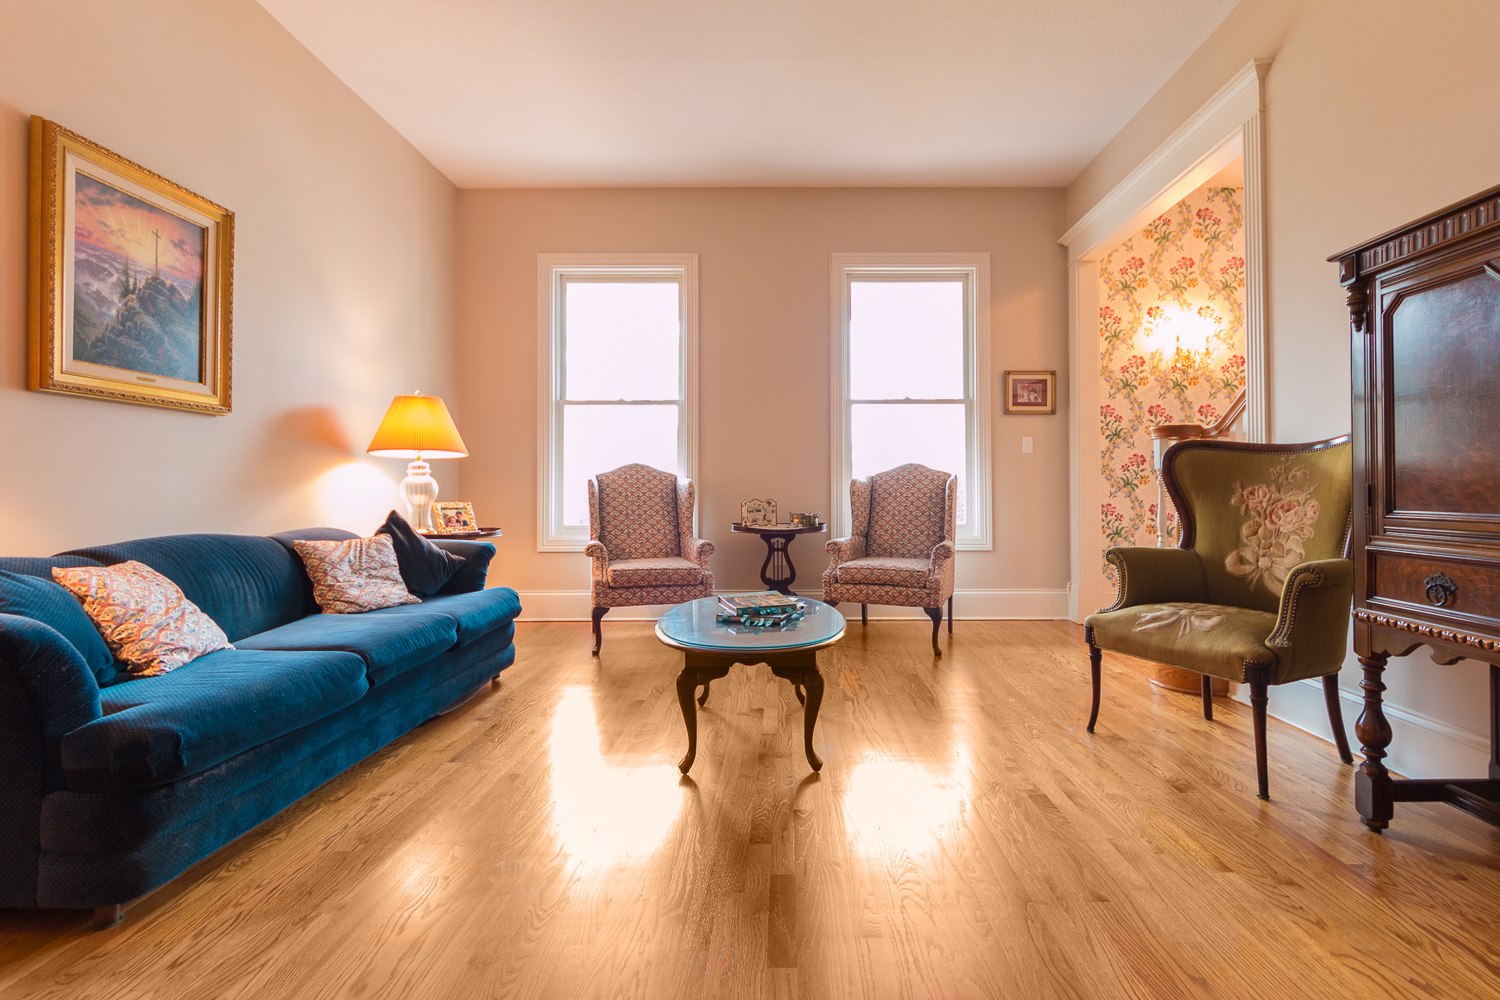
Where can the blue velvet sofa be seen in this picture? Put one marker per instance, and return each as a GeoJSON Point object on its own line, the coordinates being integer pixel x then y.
{"type": "Point", "coordinates": [111, 785]}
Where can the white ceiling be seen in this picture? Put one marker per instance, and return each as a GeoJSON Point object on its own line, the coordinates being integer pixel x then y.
{"type": "Point", "coordinates": [510, 93]}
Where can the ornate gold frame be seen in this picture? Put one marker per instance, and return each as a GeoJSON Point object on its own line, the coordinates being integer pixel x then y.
{"type": "Point", "coordinates": [464, 505]}
{"type": "Point", "coordinates": [48, 272]}
{"type": "Point", "coordinates": [1051, 405]}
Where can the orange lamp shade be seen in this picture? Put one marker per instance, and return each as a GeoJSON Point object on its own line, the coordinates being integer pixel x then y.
{"type": "Point", "coordinates": [417, 426]}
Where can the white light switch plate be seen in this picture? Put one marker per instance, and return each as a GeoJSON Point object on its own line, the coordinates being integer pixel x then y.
{"type": "Point", "coordinates": [1026, 446]}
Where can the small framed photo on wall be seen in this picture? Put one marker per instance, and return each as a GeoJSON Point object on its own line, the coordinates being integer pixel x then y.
{"type": "Point", "coordinates": [1029, 392]}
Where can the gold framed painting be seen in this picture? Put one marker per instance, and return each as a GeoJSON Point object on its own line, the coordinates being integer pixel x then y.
{"type": "Point", "coordinates": [1030, 392]}
{"type": "Point", "coordinates": [452, 516]}
{"type": "Point", "coordinates": [131, 280]}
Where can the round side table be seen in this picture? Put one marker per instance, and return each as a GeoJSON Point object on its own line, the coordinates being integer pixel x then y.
{"type": "Point", "coordinates": [777, 572]}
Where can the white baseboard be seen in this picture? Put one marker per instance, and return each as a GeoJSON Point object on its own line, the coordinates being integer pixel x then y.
{"type": "Point", "coordinates": [973, 605]}
{"type": "Point", "coordinates": [1422, 747]}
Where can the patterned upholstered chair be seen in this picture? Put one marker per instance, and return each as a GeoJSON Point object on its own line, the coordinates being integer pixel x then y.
{"type": "Point", "coordinates": [642, 544]}
{"type": "Point", "coordinates": [900, 550]}
{"type": "Point", "coordinates": [1258, 591]}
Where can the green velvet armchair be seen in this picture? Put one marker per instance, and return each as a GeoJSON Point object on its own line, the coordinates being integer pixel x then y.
{"type": "Point", "coordinates": [1258, 590]}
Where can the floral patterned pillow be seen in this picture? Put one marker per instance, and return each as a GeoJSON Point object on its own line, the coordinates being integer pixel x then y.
{"type": "Point", "coordinates": [360, 574]}
{"type": "Point", "coordinates": [144, 618]}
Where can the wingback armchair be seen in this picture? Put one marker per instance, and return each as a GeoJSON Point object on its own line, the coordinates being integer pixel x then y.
{"type": "Point", "coordinates": [642, 544]}
{"type": "Point", "coordinates": [1258, 590]}
{"type": "Point", "coordinates": [900, 548]}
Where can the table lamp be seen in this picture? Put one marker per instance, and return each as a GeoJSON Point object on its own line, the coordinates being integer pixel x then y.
{"type": "Point", "coordinates": [418, 427]}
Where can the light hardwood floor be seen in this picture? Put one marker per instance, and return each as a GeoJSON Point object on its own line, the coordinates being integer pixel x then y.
{"type": "Point", "coordinates": [965, 839]}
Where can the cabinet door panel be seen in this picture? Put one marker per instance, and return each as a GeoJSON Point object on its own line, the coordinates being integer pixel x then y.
{"type": "Point", "coordinates": [1444, 343]}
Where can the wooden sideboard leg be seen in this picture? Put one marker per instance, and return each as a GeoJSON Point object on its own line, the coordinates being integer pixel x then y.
{"type": "Point", "coordinates": [1494, 722]}
{"type": "Point", "coordinates": [106, 917]}
{"type": "Point", "coordinates": [1373, 793]}
{"type": "Point", "coordinates": [1336, 716]}
{"type": "Point", "coordinates": [1208, 697]}
{"type": "Point", "coordinates": [1095, 654]}
{"type": "Point", "coordinates": [1260, 682]}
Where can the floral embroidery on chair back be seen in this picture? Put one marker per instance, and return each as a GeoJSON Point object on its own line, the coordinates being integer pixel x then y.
{"type": "Point", "coordinates": [1258, 514]}
{"type": "Point", "coordinates": [633, 511]}
{"type": "Point", "coordinates": [911, 510]}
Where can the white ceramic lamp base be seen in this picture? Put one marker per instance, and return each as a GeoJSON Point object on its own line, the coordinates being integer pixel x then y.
{"type": "Point", "coordinates": [421, 492]}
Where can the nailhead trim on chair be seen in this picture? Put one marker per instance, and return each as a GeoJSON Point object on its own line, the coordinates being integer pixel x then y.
{"type": "Point", "coordinates": [1301, 579]}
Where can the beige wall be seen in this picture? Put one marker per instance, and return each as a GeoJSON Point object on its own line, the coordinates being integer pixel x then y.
{"type": "Point", "coordinates": [764, 263]}
{"type": "Point", "coordinates": [1377, 112]}
{"type": "Point", "coordinates": [343, 289]}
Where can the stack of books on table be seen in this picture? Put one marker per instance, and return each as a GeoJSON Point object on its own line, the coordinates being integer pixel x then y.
{"type": "Point", "coordinates": [766, 608]}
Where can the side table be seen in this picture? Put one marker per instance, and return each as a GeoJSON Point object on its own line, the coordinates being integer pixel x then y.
{"type": "Point", "coordinates": [777, 572]}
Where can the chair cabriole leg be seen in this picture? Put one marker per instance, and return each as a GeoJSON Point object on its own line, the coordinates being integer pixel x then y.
{"type": "Point", "coordinates": [599, 613]}
{"type": "Point", "coordinates": [936, 614]}
{"type": "Point", "coordinates": [864, 614]}
{"type": "Point", "coordinates": [1259, 679]}
{"type": "Point", "coordinates": [1336, 717]}
{"type": "Point", "coordinates": [1095, 655]}
{"type": "Point", "coordinates": [950, 615]}
{"type": "Point", "coordinates": [1208, 697]}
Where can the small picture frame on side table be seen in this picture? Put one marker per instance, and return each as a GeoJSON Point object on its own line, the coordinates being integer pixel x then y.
{"type": "Point", "coordinates": [1029, 392]}
{"type": "Point", "coordinates": [454, 515]}
{"type": "Point", "coordinates": [758, 513]}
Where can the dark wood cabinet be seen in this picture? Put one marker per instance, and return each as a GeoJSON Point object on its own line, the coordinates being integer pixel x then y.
{"type": "Point", "coordinates": [1424, 309]}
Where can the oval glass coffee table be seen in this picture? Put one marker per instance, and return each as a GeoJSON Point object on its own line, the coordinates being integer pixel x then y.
{"type": "Point", "coordinates": [710, 649]}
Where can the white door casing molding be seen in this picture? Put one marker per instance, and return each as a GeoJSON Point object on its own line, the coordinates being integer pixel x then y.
{"type": "Point", "coordinates": [975, 267]}
{"type": "Point", "coordinates": [549, 270]}
{"type": "Point", "coordinates": [1230, 125]}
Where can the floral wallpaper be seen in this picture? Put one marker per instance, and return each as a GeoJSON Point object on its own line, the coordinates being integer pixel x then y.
{"type": "Point", "coordinates": [1171, 348]}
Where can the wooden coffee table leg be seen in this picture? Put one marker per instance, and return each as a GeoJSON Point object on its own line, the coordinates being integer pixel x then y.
{"type": "Point", "coordinates": [801, 669]}
{"type": "Point", "coordinates": [687, 686]}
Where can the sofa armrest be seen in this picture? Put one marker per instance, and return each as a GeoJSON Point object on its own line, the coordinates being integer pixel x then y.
{"type": "Point", "coordinates": [471, 576]}
{"type": "Point", "coordinates": [698, 550]}
{"type": "Point", "coordinates": [1312, 624]}
{"type": "Point", "coordinates": [1148, 575]}
{"type": "Point", "coordinates": [845, 549]}
{"type": "Point", "coordinates": [58, 688]}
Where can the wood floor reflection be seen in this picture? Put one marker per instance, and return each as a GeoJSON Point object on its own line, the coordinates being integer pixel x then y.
{"type": "Point", "coordinates": [966, 838]}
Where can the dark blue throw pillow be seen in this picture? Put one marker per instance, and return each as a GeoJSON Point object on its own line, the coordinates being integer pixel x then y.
{"type": "Point", "coordinates": [424, 567]}
{"type": "Point", "coordinates": [50, 604]}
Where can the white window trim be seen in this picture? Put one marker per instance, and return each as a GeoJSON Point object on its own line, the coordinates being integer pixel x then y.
{"type": "Point", "coordinates": [551, 535]}
{"type": "Point", "coordinates": [975, 267]}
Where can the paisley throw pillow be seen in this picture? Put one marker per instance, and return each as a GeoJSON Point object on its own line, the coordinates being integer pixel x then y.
{"type": "Point", "coordinates": [354, 575]}
{"type": "Point", "coordinates": [144, 618]}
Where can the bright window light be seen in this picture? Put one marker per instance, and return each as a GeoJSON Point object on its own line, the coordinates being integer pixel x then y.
{"type": "Point", "coordinates": [618, 345]}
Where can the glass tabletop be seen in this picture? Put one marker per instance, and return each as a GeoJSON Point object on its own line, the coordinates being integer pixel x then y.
{"type": "Point", "coordinates": [693, 624]}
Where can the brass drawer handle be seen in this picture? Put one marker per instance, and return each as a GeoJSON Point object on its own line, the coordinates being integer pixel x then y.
{"type": "Point", "coordinates": [1440, 589]}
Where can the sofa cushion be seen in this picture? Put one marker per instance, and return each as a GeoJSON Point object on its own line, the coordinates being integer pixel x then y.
{"type": "Point", "coordinates": [472, 574]}
{"type": "Point", "coordinates": [160, 729]}
{"type": "Point", "coordinates": [475, 614]}
{"type": "Point", "coordinates": [885, 571]}
{"type": "Point", "coordinates": [356, 575]}
{"type": "Point", "coordinates": [245, 583]}
{"type": "Point", "coordinates": [388, 644]}
{"type": "Point", "coordinates": [664, 571]}
{"type": "Point", "coordinates": [47, 602]}
{"type": "Point", "coordinates": [424, 567]}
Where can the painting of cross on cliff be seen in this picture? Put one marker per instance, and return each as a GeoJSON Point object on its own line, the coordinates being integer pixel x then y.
{"type": "Point", "coordinates": [137, 284]}
{"type": "Point", "coordinates": [130, 280]}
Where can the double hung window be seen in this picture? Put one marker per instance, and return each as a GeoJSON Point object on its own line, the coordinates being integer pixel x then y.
{"type": "Point", "coordinates": [910, 375]}
{"type": "Point", "coordinates": [617, 377]}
